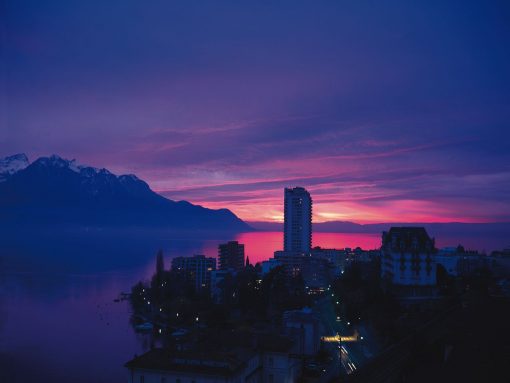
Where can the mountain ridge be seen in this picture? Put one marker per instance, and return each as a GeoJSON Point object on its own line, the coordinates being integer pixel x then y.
{"type": "Point", "coordinates": [56, 190]}
{"type": "Point", "coordinates": [373, 228]}
{"type": "Point", "coordinates": [12, 164]}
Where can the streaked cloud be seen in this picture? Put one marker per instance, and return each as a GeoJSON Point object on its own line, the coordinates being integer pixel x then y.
{"type": "Point", "coordinates": [385, 111]}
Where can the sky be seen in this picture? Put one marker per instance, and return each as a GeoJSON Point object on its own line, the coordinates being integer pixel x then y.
{"type": "Point", "coordinates": [392, 111]}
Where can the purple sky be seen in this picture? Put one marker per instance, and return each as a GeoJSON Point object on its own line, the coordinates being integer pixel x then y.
{"type": "Point", "coordinates": [385, 111]}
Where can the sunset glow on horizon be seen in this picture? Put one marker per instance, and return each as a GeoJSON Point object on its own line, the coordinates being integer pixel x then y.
{"type": "Point", "coordinates": [269, 208]}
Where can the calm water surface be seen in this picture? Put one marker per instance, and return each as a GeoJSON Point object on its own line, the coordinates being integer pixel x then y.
{"type": "Point", "coordinates": [58, 320]}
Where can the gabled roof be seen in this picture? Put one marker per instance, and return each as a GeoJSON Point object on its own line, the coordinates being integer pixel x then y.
{"type": "Point", "coordinates": [408, 238]}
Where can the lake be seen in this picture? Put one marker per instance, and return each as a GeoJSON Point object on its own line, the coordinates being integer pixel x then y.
{"type": "Point", "coordinates": [58, 320]}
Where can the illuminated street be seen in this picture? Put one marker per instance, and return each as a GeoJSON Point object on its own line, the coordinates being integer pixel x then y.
{"type": "Point", "coordinates": [351, 344]}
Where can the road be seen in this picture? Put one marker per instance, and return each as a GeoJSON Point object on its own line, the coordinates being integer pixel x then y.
{"type": "Point", "coordinates": [335, 332]}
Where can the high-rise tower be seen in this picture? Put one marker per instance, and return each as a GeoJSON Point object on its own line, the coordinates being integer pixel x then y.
{"type": "Point", "coordinates": [298, 220]}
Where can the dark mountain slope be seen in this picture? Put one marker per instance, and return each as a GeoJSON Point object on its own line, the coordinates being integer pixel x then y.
{"type": "Point", "coordinates": [53, 190]}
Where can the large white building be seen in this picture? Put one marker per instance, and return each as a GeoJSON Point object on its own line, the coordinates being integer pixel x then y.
{"type": "Point", "coordinates": [297, 221]}
{"type": "Point", "coordinates": [408, 257]}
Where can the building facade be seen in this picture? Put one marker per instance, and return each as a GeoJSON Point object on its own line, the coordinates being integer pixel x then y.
{"type": "Point", "coordinates": [269, 265]}
{"type": "Point", "coordinates": [308, 325]}
{"type": "Point", "coordinates": [297, 220]}
{"type": "Point", "coordinates": [162, 366]}
{"type": "Point", "coordinates": [217, 278]}
{"type": "Point", "coordinates": [408, 257]}
{"type": "Point", "coordinates": [317, 272]}
{"type": "Point", "coordinates": [231, 256]}
{"type": "Point", "coordinates": [198, 268]}
{"type": "Point", "coordinates": [250, 358]}
{"type": "Point", "coordinates": [336, 257]}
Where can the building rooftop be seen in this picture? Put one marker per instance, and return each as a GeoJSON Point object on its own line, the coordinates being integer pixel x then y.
{"type": "Point", "coordinates": [208, 362]}
{"type": "Point", "coordinates": [297, 189]}
{"type": "Point", "coordinates": [408, 239]}
{"type": "Point", "coordinates": [303, 315]}
{"type": "Point", "coordinates": [220, 353]}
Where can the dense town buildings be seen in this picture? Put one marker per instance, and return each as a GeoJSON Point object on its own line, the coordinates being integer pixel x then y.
{"type": "Point", "coordinates": [287, 349]}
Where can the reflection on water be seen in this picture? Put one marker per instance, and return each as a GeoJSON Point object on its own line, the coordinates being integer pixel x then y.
{"type": "Point", "coordinates": [60, 325]}
{"type": "Point", "coordinates": [58, 320]}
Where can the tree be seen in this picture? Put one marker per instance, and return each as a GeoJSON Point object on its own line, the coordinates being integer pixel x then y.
{"type": "Point", "coordinates": [160, 264]}
{"type": "Point", "coordinates": [157, 282]}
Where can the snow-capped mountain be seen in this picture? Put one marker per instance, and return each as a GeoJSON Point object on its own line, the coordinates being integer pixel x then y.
{"type": "Point", "coordinates": [59, 162]}
{"type": "Point", "coordinates": [56, 190]}
{"type": "Point", "coordinates": [12, 164]}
